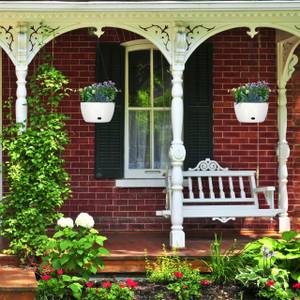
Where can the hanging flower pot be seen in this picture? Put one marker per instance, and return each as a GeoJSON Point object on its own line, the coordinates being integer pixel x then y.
{"type": "Point", "coordinates": [97, 112]}
{"type": "Point", "coordinates": [97, 102]}
{"type": "Point", "coordinates": [251, 112]}
{"type": "Point", "coordinates": [251, 102]}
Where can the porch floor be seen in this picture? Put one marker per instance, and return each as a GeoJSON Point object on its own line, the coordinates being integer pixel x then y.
{"type": "Point", "coordinates": [128, 249]}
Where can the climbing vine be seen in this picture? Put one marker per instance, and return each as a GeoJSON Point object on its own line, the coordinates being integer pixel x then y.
{"type": "Point", "coordinates": [37, 183]}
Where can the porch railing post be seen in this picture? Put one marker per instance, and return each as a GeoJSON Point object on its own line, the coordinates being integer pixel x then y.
{"type": "Point", "coordinates": [177, 149]}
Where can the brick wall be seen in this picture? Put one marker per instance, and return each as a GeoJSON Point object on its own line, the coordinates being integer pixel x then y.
{"type": "Point", "coordinates": [235, 145]}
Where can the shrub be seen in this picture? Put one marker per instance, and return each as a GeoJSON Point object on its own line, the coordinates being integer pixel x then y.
{"type": "Point", "coordinates": [177, 273]}
{"type": "Point", "coordinates": [77, 252]}
{"type": "Point", "coordinates": [37, 183]}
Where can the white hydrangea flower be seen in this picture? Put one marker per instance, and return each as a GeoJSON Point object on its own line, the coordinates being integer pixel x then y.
{"type": "Point", "coordinates": [65, 222]}
{"type": "Point", "coordinates": [85, 220]}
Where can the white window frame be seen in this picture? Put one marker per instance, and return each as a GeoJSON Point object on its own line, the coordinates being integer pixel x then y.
{"type": "Point", "coordinates": [132, 46]}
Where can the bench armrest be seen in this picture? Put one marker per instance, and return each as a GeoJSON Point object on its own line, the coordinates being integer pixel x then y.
{"type": "Point", "coordinates": [268, 193]}
{"type": "Point", "coordinates": [262, 189]}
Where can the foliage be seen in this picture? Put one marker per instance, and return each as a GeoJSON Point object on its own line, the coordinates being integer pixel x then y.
{"type": "Point", "coordinates": [99, 92]}
{"type": "Point", "coordinates": [182, 279]}
{"type": "Point", "coordinates": [162, 270]}
{"type": "Point", "coordinates": [111, 291]}
{"type": "Point", "coordinates": [77, 252]}
{"type": "Point", "coordinates": [224, 266]}
{"type": "Point", "coordinates": [286, 253]}
{"type": "Point", "coordinates": [53, 287]}
{"type": "Point", "coordinates": [38, 184]}
{"type": "Point", "coordinates": [272, 265]}
{"type": "Point", "coordinates": [251, 92]}
{"type": "Point", "coordinates": [186, 285]}
{"type": "Point", "coordinates": [271, 284]}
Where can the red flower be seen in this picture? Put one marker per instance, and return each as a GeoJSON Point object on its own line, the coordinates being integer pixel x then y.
{"type": "Point", "coordinates": [122, 285]}
{"type": "Point", "coordinates": [184, 286]}
{"type": "Point", "coordinates": [131, 283]}
{"type": "Point", "coordinates": [178, 274]}
{"type": "Point", "coordinates": [44, 267]}
{"type": "Point", "coordinates": [46, 277]}
{"type": "Point", "coordinates": [106, 284]}
{"type": "Point", "coordinates": [89, 284]}
{"type": "Point", "coordinates": [296, 285]}
{"type": "Point", "coordinates": [270, 283]}
{"type": "Point", "coordinates": [60, 272]}
{"type": "Point", "coordinates": [205, 282]}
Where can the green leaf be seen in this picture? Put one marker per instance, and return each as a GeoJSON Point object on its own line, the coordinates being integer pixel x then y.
{"type": "Point", "coordinates": [292, 256]}
{"type": "Point", "coordinates": [65, 244]}
{"type": "Point", "coordinates": [100, 239]}
{"type": "Point", "coordinates": [289, 235]}
{"type": "Point", "coordinates": [76, 289]}
{"type": "Point", "coordinates": [64, 259]}
{"type": "Point", "coordinates": [103, 251]}
{"type": "Point", "coordinates": [56, 264]}
{"type": "Point", "coordinates": [93, 269]}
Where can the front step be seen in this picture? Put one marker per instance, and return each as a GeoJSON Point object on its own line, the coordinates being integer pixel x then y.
{"type": "Point", "coordinates": [137, 264]}
{"type": "Point", "coordinates": [17, 284]}
{"type": "Point", "coordinates": [9, 260]}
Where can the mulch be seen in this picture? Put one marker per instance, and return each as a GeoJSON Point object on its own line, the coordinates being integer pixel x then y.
{"type": "Point", "coordinates": [152, 291]}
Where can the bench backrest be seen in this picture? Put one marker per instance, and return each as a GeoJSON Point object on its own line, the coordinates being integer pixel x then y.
{"type": "Point", "coordinates": [209, 183]}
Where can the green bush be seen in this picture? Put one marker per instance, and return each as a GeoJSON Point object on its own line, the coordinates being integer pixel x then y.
{"type": "Point", "coordinates": [37, 183]}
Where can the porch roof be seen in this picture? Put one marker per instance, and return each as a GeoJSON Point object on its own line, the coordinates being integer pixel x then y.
{"type": "Point", "coordinates": [150, 5]}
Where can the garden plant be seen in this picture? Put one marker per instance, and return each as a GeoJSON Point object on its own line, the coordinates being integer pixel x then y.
{"type": "Point", "coordinates": [37, 182]}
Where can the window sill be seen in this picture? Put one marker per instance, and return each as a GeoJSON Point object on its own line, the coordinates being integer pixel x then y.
{"type": "Point", "coordinates": [135, 183]}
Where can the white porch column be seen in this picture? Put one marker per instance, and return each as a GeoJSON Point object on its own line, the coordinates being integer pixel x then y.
{"type": "Point", "coordinates": [177, 150]}
{"type": "Point", "coordinates": [21, 103]}
{"type": "Point", "coordinates": [286, 61]}
{"type": "Point", "coordinates": [283, 152]}
{"type": "Point", "coordinates": [21, 72]}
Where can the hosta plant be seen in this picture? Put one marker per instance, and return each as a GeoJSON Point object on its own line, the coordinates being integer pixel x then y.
{"type": "Point", "coordinates": [285, 253]}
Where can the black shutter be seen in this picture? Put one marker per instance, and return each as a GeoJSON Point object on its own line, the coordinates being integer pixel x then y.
{"type": "Point", "coordinates": [110, 136]}
{"type": "Point", "coordinates": [198, 106]}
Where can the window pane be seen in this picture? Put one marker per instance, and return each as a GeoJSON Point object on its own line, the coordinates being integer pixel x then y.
{"type": "Point", "coordinates": [162, 138]}
{"type": "Point", "coordinates": [162, 81]}
{"type": "Point", "coordinates": [139, 78]}
{"type": "Point", "coordinates": [139, 140]}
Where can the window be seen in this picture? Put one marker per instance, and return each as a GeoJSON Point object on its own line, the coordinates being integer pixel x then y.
{"type": "Point", "coordinates": [135, 143]}
{"type": "Point", "coordinates": [147, 111]}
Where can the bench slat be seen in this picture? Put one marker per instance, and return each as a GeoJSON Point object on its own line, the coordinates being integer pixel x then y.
{"type": "Point", "coordinates": [227, 211]}
{"type": "Point", "coordinates": [219, 200]}
{"type": "Point", "coordinates": [211, 188]}
{"type": "Point", "coordinates": [232, 194]}
{"type": "Point", "coordinates": [243, 194]}
{"type": "Point", "coordinates": [222, 194]}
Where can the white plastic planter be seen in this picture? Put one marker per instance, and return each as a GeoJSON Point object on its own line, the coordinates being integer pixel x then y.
{"type": "Point", "coordinates": [97, 112]}
{"type": "Point", "coordinates": [251, 112]}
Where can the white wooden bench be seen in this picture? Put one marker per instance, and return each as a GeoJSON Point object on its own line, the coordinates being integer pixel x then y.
{"type": "Point", "coordinates": [221, 194]}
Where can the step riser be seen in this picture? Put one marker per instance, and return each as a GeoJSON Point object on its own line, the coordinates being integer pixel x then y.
{"type": "Point", "coordinates": [15, 295]}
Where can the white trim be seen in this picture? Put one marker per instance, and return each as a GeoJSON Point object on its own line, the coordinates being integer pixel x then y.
{"type": "Point", "coordinates": [132, 46]}
{"type": "Point", "coordinates": [134, 183]}
{"type": "Point", "coordinates": [1, 95]}
{"type": "Point", "coordinates": [149, 6]}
